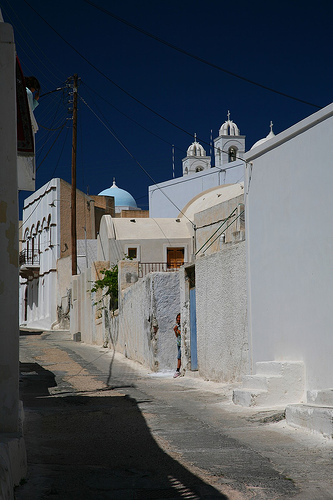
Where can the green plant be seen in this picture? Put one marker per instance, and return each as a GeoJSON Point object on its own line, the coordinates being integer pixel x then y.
{"type": "Point", "coordinates": [109, 283]}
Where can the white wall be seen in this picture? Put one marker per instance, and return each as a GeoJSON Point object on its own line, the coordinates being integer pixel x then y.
{"type": "Point", "coordinates": [39, 209]}
{"type": "Point", "coordinates": [9, 305]}
{"type": "Point", "coordinates": [12, 448]}
{"type": "Point", "coordinates": [182, 189]}
{"type": "Point", "coordinates": [142, 329]}
{"type": "Point", "coordinates": [221, 314]}
{"type": "Point", "coordinates": [147, 314]}
{"type": "Point", "coordinates": [151, 237]}
{"type": "Point", "coordinates": [290, 247]}
{"type": "Point", "coordinates": [87, 314]}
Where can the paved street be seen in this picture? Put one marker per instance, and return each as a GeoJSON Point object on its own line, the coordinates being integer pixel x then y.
{"type": "Point", "coordinates": [98, 426]}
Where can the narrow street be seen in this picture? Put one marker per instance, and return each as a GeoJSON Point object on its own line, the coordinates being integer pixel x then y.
{"type": "Point", "coordinates": [98, 426]}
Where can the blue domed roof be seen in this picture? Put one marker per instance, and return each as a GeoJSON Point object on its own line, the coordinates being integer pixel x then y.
{"type": "Point", "coordinates": [121, 197]}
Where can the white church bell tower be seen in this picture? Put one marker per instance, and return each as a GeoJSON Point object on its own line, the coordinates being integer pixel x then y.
{"type": "Point", "coordinates": [196, 159]}
{"type": "Point", "coordinates": [229, 145]}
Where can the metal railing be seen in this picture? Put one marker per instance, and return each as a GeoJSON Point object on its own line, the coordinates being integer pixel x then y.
{"type": "Point", "coordinates": [29, 258]}
{"type": "Point", "coordinates": [158, 267]}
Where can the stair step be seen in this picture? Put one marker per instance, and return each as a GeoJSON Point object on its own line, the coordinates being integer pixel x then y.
{"type": "Point", "coordinates": [318, 419]}
{"type": "Point", "coordinates": [265, 383]}
{"type": "Point", "coordinates": [247, 397]}
{"type": "Point", "coordinates": [279, 367]}
{"type": "Point", "coordinates": [276, 383]}
{"type": "Point", "coordinates": [323, 397]}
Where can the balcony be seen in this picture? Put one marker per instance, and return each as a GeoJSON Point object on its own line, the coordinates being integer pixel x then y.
{"type": "Point", "coordinates": [29, 263]}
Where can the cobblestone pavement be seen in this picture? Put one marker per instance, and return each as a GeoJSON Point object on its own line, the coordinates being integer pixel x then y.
{"type": "Point", "coordinates": [98, 426]}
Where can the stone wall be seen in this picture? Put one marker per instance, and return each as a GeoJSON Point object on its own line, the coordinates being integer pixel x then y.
{"type": "Point", "coordinates": [147, 313]}
{"type": "Point", "coordinates": [220, 282]}
{"type": "Point", "coordinates": [142, 328]}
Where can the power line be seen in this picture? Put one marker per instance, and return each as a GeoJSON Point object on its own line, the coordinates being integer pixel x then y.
{"type": "Point", "coordinates": [40, 51]}
{"type": "Point", "coordinates": [50, 148]}
{"type": "Point", "coordinates": [197, 58]}
{"type": "Point", "coordinates": [129, 118]}
{"type": "Point", "coordinates": [105, 76]}
{"type": "Point", "coordinates": [48, 184]}
{"type": "Point", "coordinates": [133, 157]}
{"type": "Point", "coordinates": [118, 86]}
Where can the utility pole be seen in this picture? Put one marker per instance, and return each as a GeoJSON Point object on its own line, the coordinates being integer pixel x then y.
{"type": "Point", "coordinates": [73, 197]}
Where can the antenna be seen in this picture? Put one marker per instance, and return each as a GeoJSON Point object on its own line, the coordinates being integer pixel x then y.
{"type": "Point", "coordinates": [173, 161]}
{"type": "Point", "coordinates": [211, 142]}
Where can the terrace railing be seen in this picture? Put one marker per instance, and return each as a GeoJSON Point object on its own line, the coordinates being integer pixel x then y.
{"type": "Point", "coordinates": [29, 258]}
{"type": "Point", "coordinates": [158, 267]}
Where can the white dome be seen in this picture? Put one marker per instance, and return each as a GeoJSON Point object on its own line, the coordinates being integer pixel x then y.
{"type": "Point", "coordinates": [196, 150]}
{"type": "Point", "coordinates": [229, 127]}
{"type": "Point", "coordinates": [267, 138]}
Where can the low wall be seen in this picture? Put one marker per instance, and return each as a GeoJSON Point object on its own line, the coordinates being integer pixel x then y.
{"type": "Point", "coordinates": [142, 328]}
{"type": "Point", "coordinates": [147, 312]}
{"type": "Point", "coordinates": [87, 321]}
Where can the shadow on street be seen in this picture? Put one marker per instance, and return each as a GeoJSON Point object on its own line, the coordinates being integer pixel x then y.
{"type": "Point", "coordinates": [95, 447]}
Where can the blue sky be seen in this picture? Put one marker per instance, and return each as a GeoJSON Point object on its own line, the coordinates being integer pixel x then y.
{"type": "Point", "coordinates": [285, 45]}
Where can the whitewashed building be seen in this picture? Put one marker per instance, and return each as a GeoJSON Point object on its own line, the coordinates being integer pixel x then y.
{"type": "Point", "coordinates": [289, 179]}
{"type": "Point", "coordinates": [13, 464]}
{"type": "Point", "coordinates": [166, 243]}
{"type": "Point", "coordinates": [166, 199]}
{"type": "Point", "coordinates": [45, 259]}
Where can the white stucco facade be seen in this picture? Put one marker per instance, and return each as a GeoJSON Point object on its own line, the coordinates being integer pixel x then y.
{"type": "Point", "coordinates": [41, 247]}
{"type": "Point", "coordinates": [147, 314]}
{"type": "Point", "coordinates": [182, 189]}
{"type": "Point", "coordinates": [142, 328]}
{"type": "Point", "coordinates": [289, 247]}
{"type": "Point", "coordinates": [150, 237]}
{"type": "Point", "coordinates": [221, 314]}
{"type": "Point", "coordinates": [167, 199]}
{"type": "Point", "coordinates": [13, 465]}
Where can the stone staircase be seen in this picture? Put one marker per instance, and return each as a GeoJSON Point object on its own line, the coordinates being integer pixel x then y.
{"type": "Point", "coordinates": [275, 383]}
{"type": "Point", "coordinates": [316, 415]}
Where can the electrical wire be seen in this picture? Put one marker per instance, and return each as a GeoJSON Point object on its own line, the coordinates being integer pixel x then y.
{"type": "Point", "coordinates": [118, 86]}
{"type": "Point", "coordinates": [133, 157]}
{"type": "Point", "coordinates": [238, 216]}
{"type": "Point", "coordinates": [52, 91]}
{"type": "Point", "coordinates": [51, 147]}
{"type": "Point", "coordinates": [51, 127]}
{"type": "Point", "coordinates": [149, 131]}
{"type": "Point", "coordinates": [197, 58]}
{"type": "Point", "coordinates": [47, 66]}
{"type": "Point", "coordinates": [224, 221]}
{"type": "Point", "coordinates": [112, 81]}
{"type": "Point", "coordinates": [132, 119]}
{"type": "Point", "coordinates": [48, 184]}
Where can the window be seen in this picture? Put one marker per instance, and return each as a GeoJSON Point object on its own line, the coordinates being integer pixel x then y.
{"type": "Point", "coordinates": [175, 257]}
{"type": "Point", "coordinates": [132, 253]}
{"type": "Point", "coordinates": [199, 169]}
{"type": "Point", "coordinates": [232, 153]}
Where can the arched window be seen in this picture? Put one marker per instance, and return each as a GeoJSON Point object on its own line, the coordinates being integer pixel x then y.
{"type": "Point", "coordinates": [199, 169]}
{"type": "Point", "coordinates": [232, 153]}
{"type": "Point", "coordinates": [49, 230]}
{"type": "Point", "coordinates": [32, 248]}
